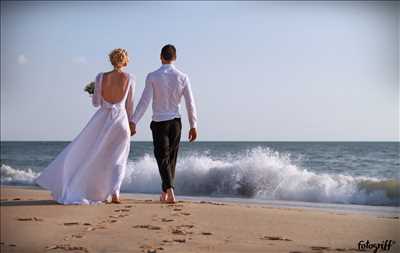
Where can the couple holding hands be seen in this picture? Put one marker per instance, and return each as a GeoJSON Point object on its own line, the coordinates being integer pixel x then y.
{"type": "Point", "coordinates": [91, 168]}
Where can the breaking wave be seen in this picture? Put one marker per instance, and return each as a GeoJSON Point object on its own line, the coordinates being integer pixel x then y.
{"type": "Point", "coordinates": [11, 176]}
{"type": "Point", "coordinates": [257, 173]}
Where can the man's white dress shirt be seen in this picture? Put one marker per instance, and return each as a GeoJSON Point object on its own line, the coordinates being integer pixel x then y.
{"type": "Point", "coordinates": [166, 86]}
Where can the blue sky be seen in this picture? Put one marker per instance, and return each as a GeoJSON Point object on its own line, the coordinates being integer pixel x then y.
{"type": "Point", "coordinates": [260, 71]}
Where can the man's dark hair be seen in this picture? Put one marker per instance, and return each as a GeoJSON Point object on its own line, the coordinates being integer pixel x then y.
{"type": "Point", "coordinates": [168, 52]}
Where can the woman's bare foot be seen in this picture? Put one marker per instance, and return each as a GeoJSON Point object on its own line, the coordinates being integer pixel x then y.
{"type": "Point", "coordinates": [170, 196]}
{"type": "Point", "coordinates": [115, 199]}
{"type": "Point", "coordinates": [163, 197]}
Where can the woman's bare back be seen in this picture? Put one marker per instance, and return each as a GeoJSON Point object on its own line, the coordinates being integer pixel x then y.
{"type": "Point", "coordinates": [113, 86]}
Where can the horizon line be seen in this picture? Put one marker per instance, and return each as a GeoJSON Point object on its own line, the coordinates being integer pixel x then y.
{"type": "Point", "coordinates": [222, 141]}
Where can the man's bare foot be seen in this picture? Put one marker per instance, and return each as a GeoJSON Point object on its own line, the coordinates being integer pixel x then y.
{"type": "Point", "coordinates": [115, 199]}
{"type": "Point", "coordinates": [163, 197]}
{"type": "Point", "coordinates": [170, 196]}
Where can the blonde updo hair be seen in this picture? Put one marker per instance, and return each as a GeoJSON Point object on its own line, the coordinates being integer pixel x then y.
{"type": "Point", "coordinates": [119, 57]}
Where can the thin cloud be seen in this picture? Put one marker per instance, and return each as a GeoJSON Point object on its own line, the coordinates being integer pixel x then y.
{"type": "Point", "coordinates": [22, 59]}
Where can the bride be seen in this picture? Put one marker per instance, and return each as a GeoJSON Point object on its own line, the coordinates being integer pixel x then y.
{"type": "Point", "coordinates": [91, 168]}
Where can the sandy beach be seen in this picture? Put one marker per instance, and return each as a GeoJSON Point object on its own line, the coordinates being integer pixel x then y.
{"type": "Point", "coordinates": [32, 222]}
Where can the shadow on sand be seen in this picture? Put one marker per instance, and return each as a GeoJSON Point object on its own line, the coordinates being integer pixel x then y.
{"type": "Point", "coordinates": [28, 203]}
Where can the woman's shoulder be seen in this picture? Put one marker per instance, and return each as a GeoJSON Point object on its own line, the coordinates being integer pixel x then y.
{"type": "Point", "coordinates": [102, 73]}
{"type": "Point", "coordinates": [127, 75]}
{"type": "Point", "coordinates": [130, 76]}
{"type": "Point", "coordinates": [98, 76]}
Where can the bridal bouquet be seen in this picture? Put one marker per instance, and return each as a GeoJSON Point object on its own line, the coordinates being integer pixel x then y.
{"type": "Point", "coordinates": [89, 88]}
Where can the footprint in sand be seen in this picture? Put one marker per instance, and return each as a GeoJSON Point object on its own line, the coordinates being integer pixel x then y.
{"type": "Point", "coordinates": [178, 232]}
{"type": "Point", "coordinates": [68, 247]}
{"type": "Point", "coordinates": [180, 240]}
{"type": "Point", "coordinates": [30, 219]}
{"type": "Point", "coordinates": [177, 209]}
{"type": "Point", "coordinates": [206, 233]}
{"type": "Point", "coordinates": [182, 230]}
{"type": "Point", "coordinates": [275, 238]}
{"type": "Point", "coordinates": [98, 226]}
{"type": "Point", "coordinates": [185, 226]}
{"type": "Point", "coordinates": [122, 215]}
{"type": "Point", "coordinates": [70, 223]}
{"type": "Point", "coordinates": [212, 203]}
{"type": "Point", "coordinates": [154, 250]}
{"type": "Point", "coordinates": [151, 227]}
{"type": "Point", "coordinates": [175, 205]}
{"type": "Point", "coordinates": [166, 220]}
{"type": "Point", "coordinates": [121, 210]}
{"type": "Point", "coordinates": [186, 214]}
{"type": "Point", "coordinates": [150, 248]}
{"type": "Point", "coordinates": [319, 248]}
{"type": "Point", "coordinates": [163, 242]}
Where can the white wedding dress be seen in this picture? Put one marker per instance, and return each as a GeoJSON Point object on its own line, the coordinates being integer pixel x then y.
{"type": "Point", "coordinates": [91, 168]}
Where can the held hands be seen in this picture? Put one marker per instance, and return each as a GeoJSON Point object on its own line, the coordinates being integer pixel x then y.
{"type": "Point", "coordinates": [132, 127]}
{"type": "Point", "coordinates": [192, 134]}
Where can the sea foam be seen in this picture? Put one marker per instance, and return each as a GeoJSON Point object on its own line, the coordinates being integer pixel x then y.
{"type": "Point", "coordinates": [13, 176]}
{"type": "Point", "coordinates": [256, 173]}
{"type": "Point", "coordinates": [264, 174]}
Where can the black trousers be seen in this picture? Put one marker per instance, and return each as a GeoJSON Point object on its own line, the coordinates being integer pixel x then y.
{"type": "Point", "coordinates": [166, 138]}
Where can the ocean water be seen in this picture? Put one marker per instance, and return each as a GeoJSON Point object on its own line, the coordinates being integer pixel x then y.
{"type": "Point", "coordinates": [350, 173]}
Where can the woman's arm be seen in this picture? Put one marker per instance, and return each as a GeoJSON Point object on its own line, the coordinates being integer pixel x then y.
{"type": "Point", "coordinates": [96, 98]}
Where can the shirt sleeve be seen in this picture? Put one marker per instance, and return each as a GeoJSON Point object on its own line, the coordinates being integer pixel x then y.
{"type": "Point", "coordinates": [130, 98]}
{"type": "Point", "coordinates": [190, 105]}
{"type": "Point", "coordinates": [144, 101]}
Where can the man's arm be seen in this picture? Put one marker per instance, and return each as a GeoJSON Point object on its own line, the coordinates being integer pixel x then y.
{"type": "Point", "coordinates": [143, 103]}
{"type": "Point", "coordinates": [191, 109]}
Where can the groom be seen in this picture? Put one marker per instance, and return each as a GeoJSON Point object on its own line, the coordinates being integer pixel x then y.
{"type": "Point", "coordinates": [166, 86]}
